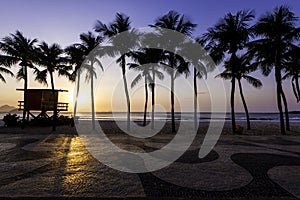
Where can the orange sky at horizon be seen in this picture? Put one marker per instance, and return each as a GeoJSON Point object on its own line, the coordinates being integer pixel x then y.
{"type": "Point", "coordinates": [257, 99]}
{"type": "Point", "coordinates": [36, 19]}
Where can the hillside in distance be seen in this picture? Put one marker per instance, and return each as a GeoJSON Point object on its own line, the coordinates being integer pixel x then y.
{"type": "Point", "coordinates": [8, 108]}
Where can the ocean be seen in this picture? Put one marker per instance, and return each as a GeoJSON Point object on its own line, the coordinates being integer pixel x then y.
{"type": "Point", "coordinates": [186, 116]}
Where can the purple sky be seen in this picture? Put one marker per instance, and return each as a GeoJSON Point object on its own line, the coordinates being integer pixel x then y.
{"type": "Point", "coordinates": [62, 21]}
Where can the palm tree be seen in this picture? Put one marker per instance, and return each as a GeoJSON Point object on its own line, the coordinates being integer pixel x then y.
{"type": "Point", "coordinates": [201, 65]}
{"type": "Point", "coordinates": [75, 57]}
{"type": "Point", "coordinates": [141, 58]}
{"type": "Point", "coordinates": [21, 50]}
{"type": "Point", "coordinates": [293, 70]}
{"type": "Point", "coordinates": [119, 25]}
{"type": "Point", "coordinates": [199, 72]}
{"type": "Point", "coordinates": [51, 58]}
{"type": "Point", "coordinates": [277, 32]}
{"type": "Point", "coordinates": [227, 37]}
{"type": "Point", "coordinates": [174, 21]}
{"type": "Point", "coordinates": [80, 55]}
{"type": "Point", "coordinates": [242, 72]}
{"type": "Point", "coordinates": [146, 74]}
{"type": "Point", "coordinates": [154, 56]}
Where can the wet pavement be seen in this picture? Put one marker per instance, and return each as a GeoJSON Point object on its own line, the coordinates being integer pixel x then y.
{"type": "Point", "coordinates": [239, 167]}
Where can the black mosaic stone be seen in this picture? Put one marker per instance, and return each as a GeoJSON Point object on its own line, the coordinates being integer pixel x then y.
{"type": "Point", "coordinates": [260, 186]}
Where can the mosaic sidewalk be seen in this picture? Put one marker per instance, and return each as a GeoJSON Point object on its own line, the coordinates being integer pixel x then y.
{"type": "Point", "coordinates": [58, 165]}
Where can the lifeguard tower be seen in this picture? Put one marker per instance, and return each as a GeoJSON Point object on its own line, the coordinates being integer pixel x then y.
{"type": "Point", "coordinates": [42, 100]}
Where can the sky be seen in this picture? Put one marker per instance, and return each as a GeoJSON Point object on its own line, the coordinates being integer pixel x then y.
{"type": "Point", "coordinates": [61, 21]}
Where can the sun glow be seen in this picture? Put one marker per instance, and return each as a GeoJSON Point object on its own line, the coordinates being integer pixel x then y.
{"type": "Point", "coordinates": [83, 102]}
{"type": "Point", "coordinates": [67, 97]}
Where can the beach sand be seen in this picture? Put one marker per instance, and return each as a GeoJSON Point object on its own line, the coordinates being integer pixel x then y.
{"type": "Point", "coordinates": [110, 127]}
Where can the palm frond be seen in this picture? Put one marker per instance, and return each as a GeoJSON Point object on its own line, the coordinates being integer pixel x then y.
{"type": "Point", "coordinates": [174, 21]}
{"type": "Point", "coordinates": [41, 76]}
{"type": "Point", "coordinates": [136, 80]}
{"type": "Point", "coordinates": [99, 63]}
{"type": "Point", "coordinates": [8, 61]}
{"type": "Point", "coordinates": [133, 66]}
{"type": "Point", "coordinates": [2, 78]}
{"type": "Point", "coordinates": [159, 75]}
{"type": "Point", "coordinates": [286, 76]}
{"type": "Point", "coordinates": [20, 74]}
{"type": "Point", "coordinates": [224, 75]}
{"type": "Point", "coordinates": [253, 81]}
{"type": "Point", "coordinates": [120, 24]}
{"type": "Point", "coordinates": [6, 71]}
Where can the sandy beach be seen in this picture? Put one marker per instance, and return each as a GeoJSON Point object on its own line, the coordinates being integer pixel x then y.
{"type": "Point", "coordinates": [110, 127]}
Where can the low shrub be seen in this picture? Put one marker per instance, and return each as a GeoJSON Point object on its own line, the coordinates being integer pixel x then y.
{"type": "Point", "coordinates": [61, 120]}
{"type": "Point", "coordinates": [11, 120]}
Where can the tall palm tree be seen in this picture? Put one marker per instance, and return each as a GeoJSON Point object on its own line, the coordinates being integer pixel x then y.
{"type": "Point", "coordinates": [201, 64]}
{"type": "Point", "coordinates": [199, 72]}
{"type": "Point", "coordinates": [242, 72]}
{"type": "Point", "coordinates": [51, 58]}
{"type": "Point", "coordinates": [147, 78]}
{"type": "Point", "coordinates": [293, 70]}
{"type": "Point", "coordinates": [19, 50]}
{"type": "Point", "coordinates": [76, 55]}
{"type": "Point", "coordinates": [141, 58]}
{"type": "Point", "coordinates": [119, 25]}
{"type": "Point", "coordinates": [227, 37]}
{"type": "Point", "coordinates": [196, 75]}
{"type": "Point", "coordinates": [174, 21]}
{"type": "Point", "coordinates": [277, 32]}
{"type": "Point", "coordinates": [81, 53]}
{"type": "Point", "coordinates": [154, 56]}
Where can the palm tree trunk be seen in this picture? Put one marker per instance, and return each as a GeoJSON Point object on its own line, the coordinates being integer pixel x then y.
{"type": "Point", "coordinates": [76, 97]}
{"type": "Point", "coordinates": [279, 105]}
{"type": "Point", "coordinates": [146, 101]}
{"type": "Point", "coordinates": [244, 104]}
{"type": "Point", "coordinates": [55, 106]}
{"type": "Point", "coordinates": [172, 93]}
{"type": "Point", "coordinates": [286, 110]}
{"type": "Point", "coordinates": [195, 100]}
{"type": "Point", "coordinates": [297, 87]}
{"type": "Point", "coordinates": [25, 95]}
{"type": "Point", "coordinates": [232, 105]}
{"type": "Point", "coordinates": [52, 81]}
{"type": "Point", "coordinates": [294, 89]}
{"type": "Point", "coordinates": [126, 92]}
{"type": "Point", "coordinates": [92, 97]}
{"type": "Point", "coordinates": [153, 99]}
{"type": "Point", "coordinates": [172, 102]}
